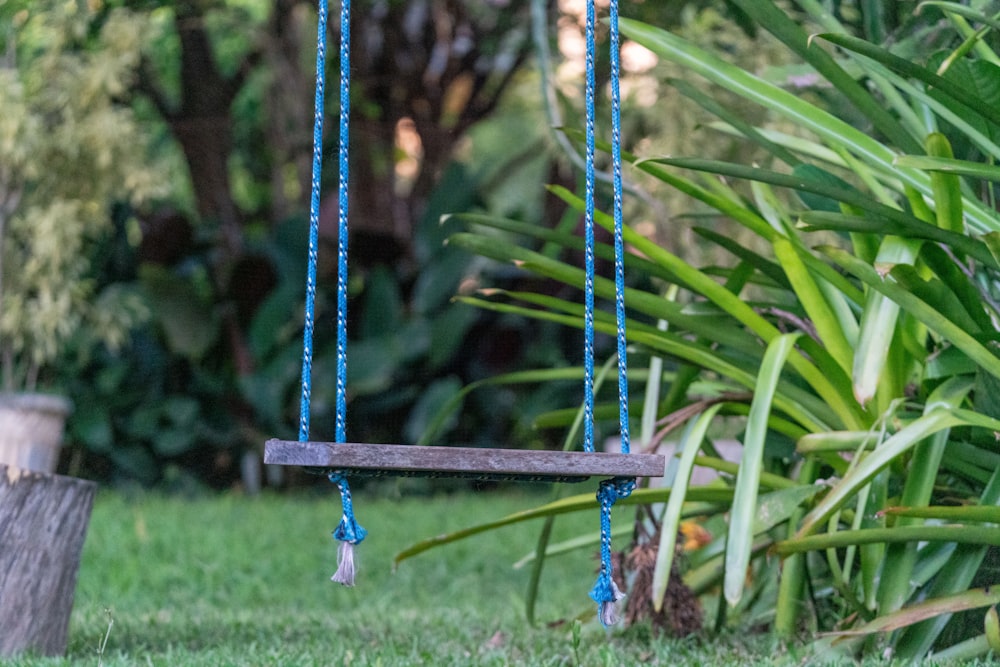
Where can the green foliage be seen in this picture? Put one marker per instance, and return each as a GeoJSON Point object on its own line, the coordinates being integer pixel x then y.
{"type": "Point", "coordinates": [216, 334]}
{"type": "Point", "coordinates": [874, 347]}
{"type": "Point", "coordinates": [70, 150]}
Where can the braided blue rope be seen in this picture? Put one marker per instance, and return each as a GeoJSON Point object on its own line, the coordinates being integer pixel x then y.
{"type": "Point", "coordinates": [348, 532]}
{"type": "Point", "coordinates": [588, 227]}
{"type": "Point", "coordinates": [317, 168]}
{"type": "Point", "coordinates": [342, 235]}
{"type": "Point", "coordinates": [605, 592]}
{"type": "Point", "coordinates": [616, 159]}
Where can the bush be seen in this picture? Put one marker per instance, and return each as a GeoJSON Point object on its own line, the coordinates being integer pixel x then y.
{"type": "Point", "coordinates": [871, 346]}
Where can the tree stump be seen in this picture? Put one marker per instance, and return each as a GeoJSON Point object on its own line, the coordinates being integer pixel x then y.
{"type": "Point", "coordinates": [43, 524]}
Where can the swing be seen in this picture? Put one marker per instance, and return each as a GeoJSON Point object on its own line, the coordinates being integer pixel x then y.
{"type": "Point", "coordinates": [341, 460]}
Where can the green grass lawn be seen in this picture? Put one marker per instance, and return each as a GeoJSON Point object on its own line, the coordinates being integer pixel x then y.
{"type": "Point", "coordinates": [230, 580]}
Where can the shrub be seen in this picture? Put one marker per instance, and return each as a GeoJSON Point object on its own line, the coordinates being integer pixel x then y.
{"type": "Point", "coordinates": [69, 151]}
{"type": "Point", "coordinates": [871, 346]}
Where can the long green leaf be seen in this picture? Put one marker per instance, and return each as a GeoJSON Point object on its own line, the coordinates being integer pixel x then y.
{"type": "Point", "coordinates": [688, 445]}
{"type": "Point", "coordinates": [793, 570]}
{"type": "Point", "coordinates": [728, 206]}
{"type": "Point", "coordinates": [952, 513]}
{"type": "Point", "coordinates": [946, 186]}
{"type": "Point", "coordinates": [710, 328]}
{"type": "Point", "coordinates": [959, 571]}
{"type": "Point", "coordinates": [987, 535]}
{"type": "Point", "coordinates": [827, 324]}
{"type": "Point", "coordinates": [946, 165]}
{"type": "Point", "coordinates": [860, 475]}
{"type": "Point", "coordinates": [955, 281]}
{"type": "Point", "coordinates": [931, 318]}
{"type": "Point", "coordinates": [801, 407]}
{"type": "Point", "coordinates": [578, 503]}
{"type": "Point", "coordinates": [878, 320]}
{"type": "Point", "coordinates": [689, 275]}
{"type": "Point", "coordinates": [847, 411]}
{"type": "Point", "coordinates": [965, 124]}
{"type": "Point", "coordinates": [966, 12]}
{"type": "Point", "coordinates": [907, 67]}
{"type": "Point", "coordinates": [517, 377]}
{"type": "Point", "coordinates": [900, 559]}
{"type": "Point", "coordinates": [566, 240]}
{"type": "Point", "coordinates": [684, 319]}
{"type": "Point", "coordinates": [777, 21]}
{"type": "Point", "coordinates": [735, 121]}
{"type": "Point", "coordinates": [836, 441]}
{"type": "Point", "coordinates": [957, 654]}
{"type": "Point", "coordinates": [585, 541]}
{"type": "Point", "coordinates": [884, 219]}
{"type": "Point", "coordinates": [740, 538]}
{"type": "Point", "coordinates": [768, 480]}
{"type": "Point", "coordinates": [981, 218]}
{"type": "Point", "coordinates": [763, 265]}
{"type": "Point", "coordinates": [903, 225]}
{"type": "Point", "coordinates": [833, 130]}
{"type": "Point", "coordinates": [941, 297]}
{"type": "Point", "coordinates": [971, 599]}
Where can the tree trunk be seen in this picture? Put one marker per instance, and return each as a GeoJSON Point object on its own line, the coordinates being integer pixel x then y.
{"type": "Point", "coordinates": [43, 523]}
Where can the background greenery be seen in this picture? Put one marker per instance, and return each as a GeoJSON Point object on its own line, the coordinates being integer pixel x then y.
{"type": "Point", "coordinates": [818, 283]}
{"type": "Point", "coordinates": [211, 261]}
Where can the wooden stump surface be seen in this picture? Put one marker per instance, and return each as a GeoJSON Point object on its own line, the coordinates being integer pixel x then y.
{"type": "Point", "coordinates": [43, 524]}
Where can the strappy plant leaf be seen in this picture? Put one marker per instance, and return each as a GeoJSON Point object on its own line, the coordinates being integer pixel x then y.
{"type": "Point", "coordinates": [689, 445]}
{"type": "Point", "coordinates": [740, 538]}
{"type": "Point", "coordinates": [583, 502]}
{"type": "Point", "coordinates": [950, 166]}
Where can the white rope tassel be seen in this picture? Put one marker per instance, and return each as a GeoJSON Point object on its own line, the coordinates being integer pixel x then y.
{"type": "Point", "coordinates": [345, 565]}
{"type": "Point", "coordinates": [609, 608]}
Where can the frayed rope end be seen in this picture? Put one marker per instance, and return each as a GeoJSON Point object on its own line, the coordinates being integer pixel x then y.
{"type": "Point", "coordinates": [345, 565]}
{"type": "Point", "coordinates": [607, 595]}
{"type": "Point", "coordinates": [608, 613]}
{"type": "Point", "coordinates": [349, 532]}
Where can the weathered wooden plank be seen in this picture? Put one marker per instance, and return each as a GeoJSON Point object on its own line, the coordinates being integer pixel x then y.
{"type": "Point", "coordinates": [462, 461]}
{"type": "Point", "coordinates": [43, 523]}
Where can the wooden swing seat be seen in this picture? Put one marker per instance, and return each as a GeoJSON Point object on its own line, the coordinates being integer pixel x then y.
{"type": "Point", "coordinates": [372, 460]}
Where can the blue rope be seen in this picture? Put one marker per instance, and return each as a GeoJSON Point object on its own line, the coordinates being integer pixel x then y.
{"type": "Point", "coordinates": [348, 532]}
{"type": "Point", "coordinates": [616, 158]}
{"type": "Point", "coordinates": [605, 592]}
{"type": "Point", "coordinates": [588, 227]}
{"type": "Point", "coordinates": [342, 194]}
{"type": "Point", "coordinates": [317, 168]}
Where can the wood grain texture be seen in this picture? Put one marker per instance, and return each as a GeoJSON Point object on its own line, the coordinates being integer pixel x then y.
{"type": "Point", "coordinates": [43, 523]}
{"type": "Point", "coordinates": [462, 461]}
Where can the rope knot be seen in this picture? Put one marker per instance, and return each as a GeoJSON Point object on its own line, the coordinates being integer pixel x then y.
{"type": "Point", "coordinates": [605, 592]}
{"type": "Point", "coordinates": [349, 532]}
{"type": "Point", "coordinates": [612, 490]}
